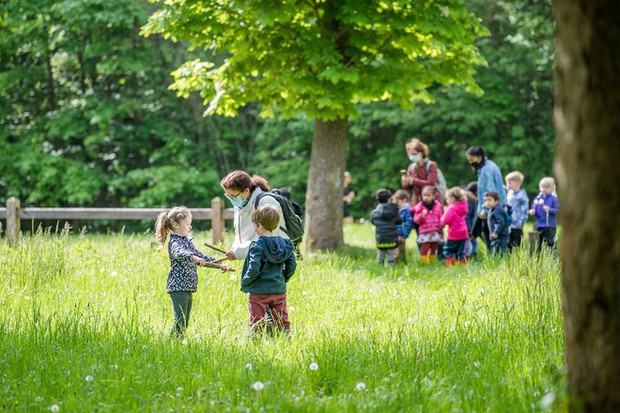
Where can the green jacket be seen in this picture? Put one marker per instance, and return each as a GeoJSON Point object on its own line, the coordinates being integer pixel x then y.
{"type": "Point", "coordinates": [269, 265]}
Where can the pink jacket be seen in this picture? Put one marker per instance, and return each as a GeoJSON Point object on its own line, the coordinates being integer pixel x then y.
{"type": "Point", "coordinates": [454, 218]}
{"type": "Point", "coordinates": [430, 222]}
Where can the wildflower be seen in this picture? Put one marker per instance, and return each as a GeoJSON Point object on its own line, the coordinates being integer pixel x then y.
{"type": "Point", "coordinates": [248, 366]}
{"type": "Point", "coordinates": [258, 386]}
{"type": "Point", "coordinates": [179, 389]}
{"type": "Point", "coordinates": [304, 293]}
{"type": "Point", "coordinates": [233, 277]}
{"type": "Point", "coordinates": [360, 386]}
{"type": "Point", "coordinates": [89, 378]}
{"type": "Point", "coordinates": [547, 400]}
{"type": "Point", "coordinates": [313, 366]}
{"type": "Point", "coordinates": [55, 408]}
{"type": "Point", "coordinates": [445, 12]}
{"type": "Point", "coordinates": [184, 342]}
{"type": "Point", "coordinates": [113, 274]}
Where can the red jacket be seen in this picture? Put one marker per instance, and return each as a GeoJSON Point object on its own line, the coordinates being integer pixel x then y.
{"type": "Point", "coordinates": [454, 218]}
{"type": "Point", "coordinates": [430, 222]}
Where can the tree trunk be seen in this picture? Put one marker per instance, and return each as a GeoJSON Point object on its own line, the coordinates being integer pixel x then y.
{"type": "Point", "coordinates": [324, 194]}
{"type": "Point", "coordinates": [587, 122]}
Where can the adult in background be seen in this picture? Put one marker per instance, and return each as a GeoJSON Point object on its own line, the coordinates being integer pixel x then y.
{"type": "Point", "coordinates": [241, 189]}
{"type": "Point", "coordinates": [347, 196]}
{"type": "Point", "coordinates": [420, 173]}
{"type": "Point", "coordinates": [490, 179]}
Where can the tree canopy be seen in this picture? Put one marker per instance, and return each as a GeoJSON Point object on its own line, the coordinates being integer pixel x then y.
{"type": "Point", "coordinates": [320, 58]}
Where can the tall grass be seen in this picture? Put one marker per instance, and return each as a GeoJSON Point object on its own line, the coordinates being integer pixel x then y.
{"type": "Point", "coordinates": [84, 324]}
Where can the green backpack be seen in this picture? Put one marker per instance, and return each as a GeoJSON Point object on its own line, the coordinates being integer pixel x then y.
{"type": "Point", "coordinates": [294, 223]}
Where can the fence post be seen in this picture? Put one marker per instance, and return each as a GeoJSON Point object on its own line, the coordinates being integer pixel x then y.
{"type": "Point", "coordinates": [217, 220]}
{"type": "Point", "coordinates": [12, 221]}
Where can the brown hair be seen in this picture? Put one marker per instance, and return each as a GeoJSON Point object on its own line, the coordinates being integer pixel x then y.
{"type": "Point", "coordinates": [402, 194]}
{"type": "Point", "coordinates": [420, 147]}
{"type": "Point", "coordinates": [241, 180]}
{"type": "Point", "coordinates": [455, 193]}
{"type": "Point", "coordinates": [429, 188]}
{"type": "Point", "coordinates": [267, 216]}
{"type": "Point", "coordinates": [163, 224]}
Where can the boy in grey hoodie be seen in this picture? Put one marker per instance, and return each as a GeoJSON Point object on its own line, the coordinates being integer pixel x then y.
{"type": "Point", "coordinates": [269, 265]}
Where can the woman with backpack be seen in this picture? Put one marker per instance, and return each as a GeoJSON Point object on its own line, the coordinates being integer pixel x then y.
{"type": "Point", "coordinates": [421, 172]}
{"type": "Point", "coordinates": [243, 190]}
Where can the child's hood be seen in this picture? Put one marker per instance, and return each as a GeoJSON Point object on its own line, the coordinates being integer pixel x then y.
{"type": "Point", "coordinates": [460, 208]}
{"type": "Point", "coordinates": [388, 210]}
{"type": "Point", "coordinates": [276, 249]}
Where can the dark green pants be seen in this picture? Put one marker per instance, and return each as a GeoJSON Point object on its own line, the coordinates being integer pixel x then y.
{"type": "Point", "coordinates": [182, 307]}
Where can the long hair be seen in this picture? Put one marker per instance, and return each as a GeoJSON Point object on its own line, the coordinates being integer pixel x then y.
{"type": "Point", "coordinates": [241, 180]}
{"type": "Point", "coordinates": [163, 224]}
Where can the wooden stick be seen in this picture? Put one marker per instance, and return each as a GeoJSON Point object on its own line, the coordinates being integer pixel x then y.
{"type": "Point", "coordinates": [214, 248]}
{"type": "Point", "coordinates": [210, 264]}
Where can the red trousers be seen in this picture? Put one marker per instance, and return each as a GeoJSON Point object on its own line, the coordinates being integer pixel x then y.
{"type": "Point", "coordinates": [275, 303]}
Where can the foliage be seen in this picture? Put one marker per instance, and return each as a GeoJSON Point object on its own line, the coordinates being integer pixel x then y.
{"type": "Point", "coordinates": [419, 338]}
{"type": "Point", "coordinates": [98, 126]}
{"type": "Point", "coordinates": [319, 58]}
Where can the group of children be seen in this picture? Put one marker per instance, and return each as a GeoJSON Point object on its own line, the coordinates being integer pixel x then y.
{"type": "Point", "coordinates": [395, 219]}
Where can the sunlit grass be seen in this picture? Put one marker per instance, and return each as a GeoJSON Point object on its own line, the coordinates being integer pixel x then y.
{"type": "Point", "coordinates": [84, 324]}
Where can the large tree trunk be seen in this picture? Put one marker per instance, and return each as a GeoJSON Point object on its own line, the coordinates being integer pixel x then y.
{"type": "Point", "coordinates": [587, 117]}
{"type": "Point", "coordinates": [324, 194]}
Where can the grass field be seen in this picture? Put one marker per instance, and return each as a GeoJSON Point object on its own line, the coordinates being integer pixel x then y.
{"type": "Point", "coordinates": [84, 324]}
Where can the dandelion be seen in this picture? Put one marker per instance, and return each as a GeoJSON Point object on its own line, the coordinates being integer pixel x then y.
{"type": "Point", "coordinates": [360, 386]}
{"type": "Point", "coordinates": [248, 367]}
{"type": "Point", "coordinates": [258, 386]}
{"type": "Point", "coordinates": [55, 408]}
{"type": "Point", "coordinates": [113, 274]}
{"type": "Point", "coordinates": [313, 366]}
{"type": "Point", "coordinates": [466, 323]}
{"type": "Point", "coordinates": [547, 400]}
{"type": "Point", "coordinates": [184, 342]}
{"type": "Point", "coordinates": [89, 378]}
{"type": "Point", "coordinates": [304, 293]}
{"type": "Point", "coordinates": [233, 277]}
{"type": "Point", "coordinates": [179, 389]}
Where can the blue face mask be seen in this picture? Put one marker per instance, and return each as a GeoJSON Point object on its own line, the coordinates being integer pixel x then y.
{"type": "Point", "coordinates": [414, 158]}
{"type": "Point", "coordinates": [237, 201]}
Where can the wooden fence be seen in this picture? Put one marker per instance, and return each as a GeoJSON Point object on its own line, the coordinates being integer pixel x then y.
{"type": "Point", "coordinates": [13, 213]}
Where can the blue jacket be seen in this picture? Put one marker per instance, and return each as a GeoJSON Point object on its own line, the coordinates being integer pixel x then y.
{"type": "Point", "coordinates": [269, 265]}
{"type": "Point", "coordinates": [183, 275]}
{"type": "Point", "coordinates": [490, 179]}
{"type": "Point", "coordinates": [519, 202]}
{"type": "Point", "coordinates": [497, 220]}
{"type": "Point", "coordinates": [405, 228]}
{"type": "Point", "coordinates": [542, 220]}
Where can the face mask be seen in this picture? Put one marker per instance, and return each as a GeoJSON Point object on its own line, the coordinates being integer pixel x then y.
{"type": "Point", "coordinates": [237, 201]}
{"type": "Point", "coordinates": [414, 158]}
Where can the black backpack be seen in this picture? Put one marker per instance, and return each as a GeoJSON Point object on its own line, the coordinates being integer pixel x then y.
{"type": "Point", "coordinates": [294, 223]}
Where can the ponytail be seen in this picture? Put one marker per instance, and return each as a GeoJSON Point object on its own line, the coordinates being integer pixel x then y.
{"type": "Point", "coordinates": [163, 224]}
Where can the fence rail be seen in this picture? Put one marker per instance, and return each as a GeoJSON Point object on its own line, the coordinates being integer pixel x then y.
{"type": "Point", "coordinates": [13, 214]}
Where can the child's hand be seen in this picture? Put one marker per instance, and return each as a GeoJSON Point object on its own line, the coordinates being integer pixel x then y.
{"type": "Point", "coordinates": [494, 236]}
{"type": "Point", "coordinates": [224, 268]}
{"type": "Point", "coordinates": [532, 212]}
{"type": "Point", "coordinates": [546, 208]}
{"type": "Point", "coordinates": [198, 261]}
{"type": "Point", "coordinates": [424, 212]}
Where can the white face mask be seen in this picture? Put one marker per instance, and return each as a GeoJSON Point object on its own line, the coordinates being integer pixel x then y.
{"type": "Point", "coordinates": [414, 158]}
